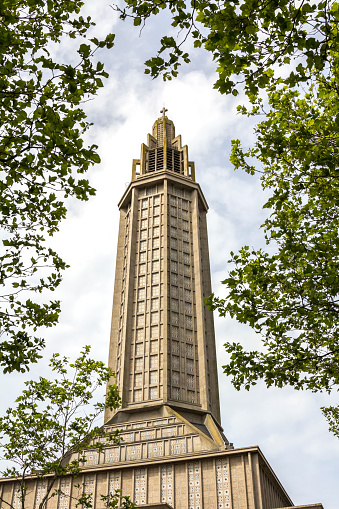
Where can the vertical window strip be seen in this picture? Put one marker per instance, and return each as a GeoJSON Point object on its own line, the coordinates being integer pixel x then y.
{"type": "Point", "coordinates": [194, 485]}
{"type": "Point", "coordinates": [16, 498]}
{"type": "Point", "coordinates": [41, 490]}
{"type": "Point", "coordinates": [65, 491]}
{"type": "Point", "coordinates": [140, 486]}
{"type": "Point", "coordinates": [114, 482]}
{"type": "Point", "coordinates": [223, 485]}
{"type": "Point", "coordinates": [167, 487]}
{"type": "Point", "coordinates": [89, 487]}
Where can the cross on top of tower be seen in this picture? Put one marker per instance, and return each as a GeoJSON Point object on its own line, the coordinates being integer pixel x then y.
{"type": "Point", "coordinates": [163, 111]}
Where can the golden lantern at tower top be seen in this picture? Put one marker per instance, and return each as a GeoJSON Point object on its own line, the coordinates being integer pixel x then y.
{"type": "Point", "coordinates": [163, 152]}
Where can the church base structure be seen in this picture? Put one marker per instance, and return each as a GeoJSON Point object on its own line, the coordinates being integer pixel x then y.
{"type": "Point", "coordinates": [239, 479]}
{"type": "Point", "coordinates": [235, 479]}
{"type": "Point", "coordinates": [168, 458]}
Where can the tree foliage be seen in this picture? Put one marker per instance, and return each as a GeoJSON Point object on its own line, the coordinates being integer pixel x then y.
{"type": "Point", "coordinates": [42, 157]}
{"type": "Point", "coordinates": [289, 293]}
{"type": "Point", "coordinates": [46, 435]}
{"type": "Point", "coordinates": [247, 38]}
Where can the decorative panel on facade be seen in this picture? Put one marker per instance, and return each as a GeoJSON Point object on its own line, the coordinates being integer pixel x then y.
{"type": "Point", "coordinates": [194, 486]}
{"type": "Point", "coordinates": [167, 484]}
{"type": "Point", "coordinates": [223, 483]}
{"type": "Point", "coordinates": [140, 486]}
{"type": "Point", "coordinates": [65, 492]}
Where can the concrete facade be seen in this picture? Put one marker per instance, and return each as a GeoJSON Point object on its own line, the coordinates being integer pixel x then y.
{"type": "Point", "coordinates": [239, 478]}
{"type": "Point", "coordinates": [174, 454]}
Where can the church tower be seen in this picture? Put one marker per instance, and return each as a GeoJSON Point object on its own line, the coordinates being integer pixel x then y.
{"type": "Point", "coordinates": [162, 338]}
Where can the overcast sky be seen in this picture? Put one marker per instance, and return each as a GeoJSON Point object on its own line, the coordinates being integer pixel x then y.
{"type": "Point", "coordinates": [287, 425]}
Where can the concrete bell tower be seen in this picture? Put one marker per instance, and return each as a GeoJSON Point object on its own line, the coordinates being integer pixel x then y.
{"type": "Point", "coordinates": [162, 338]}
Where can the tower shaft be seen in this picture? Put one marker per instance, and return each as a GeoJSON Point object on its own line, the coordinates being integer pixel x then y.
{"type": "Point", "coordinates": [162, 344]}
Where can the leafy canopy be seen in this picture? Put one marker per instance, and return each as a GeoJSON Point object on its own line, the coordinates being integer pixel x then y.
{"type": "Point", "coordinates": [42, 157]}
{"type": "Point", "coordinates": [291, 297]}
{"type": "Point", "coordinates": [47, 433]}
{"type": "Point", "coordinates": [289, 294]}
{"type": "Point", "coordinates": [247, 38]}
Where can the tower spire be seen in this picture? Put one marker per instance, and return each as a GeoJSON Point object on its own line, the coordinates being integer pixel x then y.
{"type": "Point", "coordinates": [163, 152]}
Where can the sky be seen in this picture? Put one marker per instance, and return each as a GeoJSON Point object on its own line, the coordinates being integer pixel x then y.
{"type": "Point", "coordinates": [287, 425]}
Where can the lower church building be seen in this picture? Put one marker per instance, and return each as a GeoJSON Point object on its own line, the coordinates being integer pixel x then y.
{"type": "Point", "coordinates": [174, 454]}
